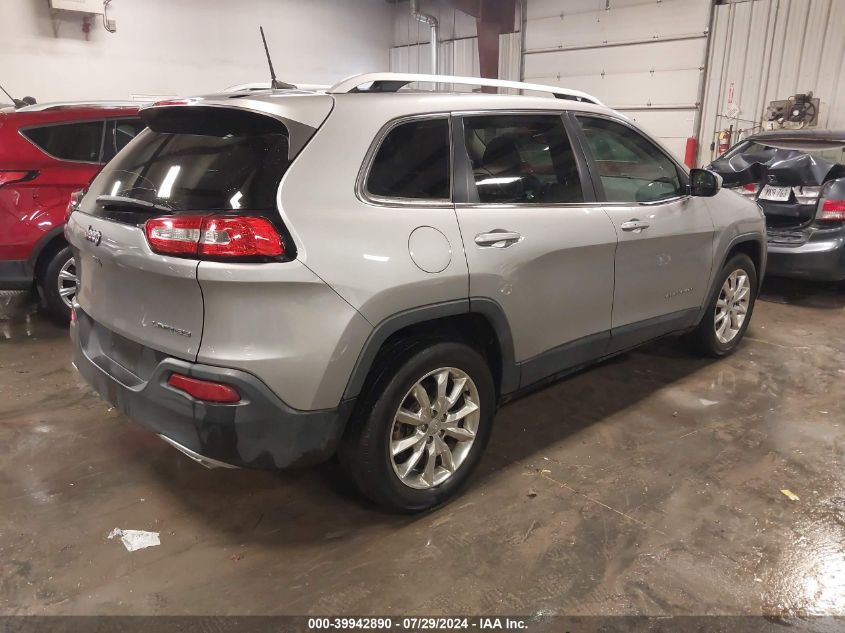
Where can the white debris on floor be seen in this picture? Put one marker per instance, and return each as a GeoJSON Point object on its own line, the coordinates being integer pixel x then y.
{"type": "Point", "coordinates": [136, 539]}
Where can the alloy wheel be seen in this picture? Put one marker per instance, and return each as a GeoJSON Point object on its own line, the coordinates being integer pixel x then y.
{"type": "Point", "coordinates": [434, 428]}
{"type": "Point", "coordinates": [732, 306]}
{"type": "Point", "coordinates": [67, 281]}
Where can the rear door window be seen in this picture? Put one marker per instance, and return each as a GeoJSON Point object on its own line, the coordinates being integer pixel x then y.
{"type": "Point", "coordinates": [118, 134]}
{"type": "Point", "coordinates": [412, 162]}
{"type": "Point", "coordinates": [522, 158]}
{"type": "Point", "coordinates": [631, 168]}
{"type": "Point", "coordinates": [69, 141]}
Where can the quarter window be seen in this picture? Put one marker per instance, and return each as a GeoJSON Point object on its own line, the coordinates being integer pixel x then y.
{"type": "Point", "coordinates": [118, 134]}
{"type": "Point", "coordinates": [69, 141]}
{"type": "Point", "coordinates": [413, 162]}
{"type": "Point", "coordinates": [631, 168]}
{"type": "Point", "coordinates": [522, 159]}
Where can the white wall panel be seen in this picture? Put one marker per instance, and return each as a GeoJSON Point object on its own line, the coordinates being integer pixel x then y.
{"type": "Point", "coordinates": [673, 124]}
{"type": "Point", "coordinates": [164, 47]}
{"type": "Point", "coordinates": [672, 127]}
{"type": "Point", "coordinates": [661, 73]}
{"type": "Point", "coordinates": [458, 57]}
{"type": "Point", "coordinates": [631, 54]}
{"type": "Point", "coordinates": [769, 50]}
{"type": "Point", "coordinates": [623, 22]}
{"type": "Point", "coordinates": [642, 89]}
{"type": "Point", "coordinates": [676, 55]}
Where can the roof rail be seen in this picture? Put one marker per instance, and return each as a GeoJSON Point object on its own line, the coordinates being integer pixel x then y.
{"type": "Point", "coordinates": [42, 107]}
{"type": "Point", "coordinates": [391, 82]}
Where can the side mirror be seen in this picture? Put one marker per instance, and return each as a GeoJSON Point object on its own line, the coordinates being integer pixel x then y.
{"type": "Point", "coordinates": [704, 183]}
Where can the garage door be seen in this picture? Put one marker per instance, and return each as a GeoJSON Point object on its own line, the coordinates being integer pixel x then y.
{"type": "Point", "coordinates": [642, 57]}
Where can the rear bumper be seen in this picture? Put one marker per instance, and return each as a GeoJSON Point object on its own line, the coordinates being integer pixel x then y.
{"type": "Point", "coordinates": [260, 431]}
{"type": "Point", "coordinates": [822, 260]}
{"type": "Point", "coordinates": [16, 275]}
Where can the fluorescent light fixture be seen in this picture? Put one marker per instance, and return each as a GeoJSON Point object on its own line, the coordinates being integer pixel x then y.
{"type": "Point", "coordinates": [115, 187]}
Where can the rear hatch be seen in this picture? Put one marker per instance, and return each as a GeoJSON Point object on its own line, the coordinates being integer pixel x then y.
{"type": "Point", "coordinates": [197, 170]}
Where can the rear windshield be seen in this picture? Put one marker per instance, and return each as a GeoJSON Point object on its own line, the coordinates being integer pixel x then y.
{"type": "Point", "coordinates": [214, 161]}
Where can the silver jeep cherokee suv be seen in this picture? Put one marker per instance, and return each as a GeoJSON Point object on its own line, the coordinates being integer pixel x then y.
{"type": "Point", "coordinates": [269, 278]}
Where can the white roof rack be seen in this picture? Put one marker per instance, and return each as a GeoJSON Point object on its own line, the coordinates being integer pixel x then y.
{"type": "Point", "coordinates": [391, 82]}
{"type": "Point", "coordinates": [265, 85]}
{"type": "Point", "coordinates": [41, 107]}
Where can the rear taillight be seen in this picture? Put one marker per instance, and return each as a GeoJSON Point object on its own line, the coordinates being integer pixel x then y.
{"type": "Point", "coordinates": [832, 211]}
{"type": "Point", "coordinates": [239, 236]}
{"type": "Point", "coordinates": [75, 199]}
{"type": "Point", "coordinates": [178, 235]}
{"type": "Point", "coordinates": [214, 236]}
{"type": "Point", "coordinates": [749, 189]}
{"type": "Point", "coordinates": [806, 195]}
{"type": "Point", "coordinates": [205, 390]}
{"type": "Point", "coordinates": [8, 177]}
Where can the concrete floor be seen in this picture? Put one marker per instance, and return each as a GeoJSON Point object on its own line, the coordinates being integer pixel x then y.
{"type": "Point", "coordinates": [648, 485]}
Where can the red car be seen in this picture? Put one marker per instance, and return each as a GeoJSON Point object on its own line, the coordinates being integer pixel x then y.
{"type": "Point", "coordinates": [47, 152]}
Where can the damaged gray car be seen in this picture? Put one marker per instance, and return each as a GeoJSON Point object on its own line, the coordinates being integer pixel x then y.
{"type": "Point", "coordinates": [798, 179]}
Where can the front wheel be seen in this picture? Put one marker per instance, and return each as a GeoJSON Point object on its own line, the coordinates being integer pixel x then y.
{"type": "Point", "coordinates": [420, 439]}
{"type": "Point", "coordinates": [57, 284]}
{"type": "Point", "coordinates": [728, 312]}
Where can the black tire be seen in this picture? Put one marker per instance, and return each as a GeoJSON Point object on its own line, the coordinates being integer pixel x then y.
{"type": "Point", "coordinates": [365, 450]}
{"type": "Point", "coordinates": [48, 284]}
{"type": "Point", "coordinates": [703, 339]}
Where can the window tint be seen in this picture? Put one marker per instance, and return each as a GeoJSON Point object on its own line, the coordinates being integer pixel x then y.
{"type": "Point", "coordinates": [522, 158]}
{"type": "Point", "coordinates": [69, 141]}
{"type": "Point", "coordinates": [413, 162]}
{"type": "Point", "coordinates": [200, 172]}
{"type": "Point", "coordinates": [631, 168]}
{"type": "Point", "coordinates": [118, 133]}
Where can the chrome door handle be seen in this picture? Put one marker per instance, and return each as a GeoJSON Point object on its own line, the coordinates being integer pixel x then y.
{"type": "Point", "coordinates": [634, 225]}
{"type": "Point", "coordinates": [497, 238]}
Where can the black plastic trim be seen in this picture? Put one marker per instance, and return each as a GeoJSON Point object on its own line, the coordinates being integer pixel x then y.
{"type": "Point", "coordinates": [495, 314]}
{"type": "Point", "coordinates": [390, 326]}
{"type": "Point", "coordinates": [757, 238]}
{"type": "Point", "coordinates": [635, 334]}
{"type": "Point", "coordinates": [260, 431]}
{"type": "Point", "coordinates": [573, 354]}
{"type": "Point", "coordinates": [509, 380]}
{"type": "Point", "coordinates": [16, 275]}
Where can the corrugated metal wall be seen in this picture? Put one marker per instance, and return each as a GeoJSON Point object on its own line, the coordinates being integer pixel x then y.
{"type": "Point", "coordinates": [766, 50]}
{"type": "Point", "coordinates": [644, 57]}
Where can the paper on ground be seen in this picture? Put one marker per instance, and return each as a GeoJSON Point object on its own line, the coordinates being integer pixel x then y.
{"type": "Point", "coordinates": [136, 539]}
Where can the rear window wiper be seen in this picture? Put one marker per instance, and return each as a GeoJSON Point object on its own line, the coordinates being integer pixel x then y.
{"type": "Point", "coordinates": [118, 202]}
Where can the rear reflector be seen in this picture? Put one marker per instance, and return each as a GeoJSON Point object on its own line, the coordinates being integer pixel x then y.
{"type": "Point", "coordinates": [832, 211]}
{"type": "Point", "coordinates": [214, 236]}
{"type": "Point", "coordinates": [8, 177]}
{"type": "Point", "coordinates": [204, 389]}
